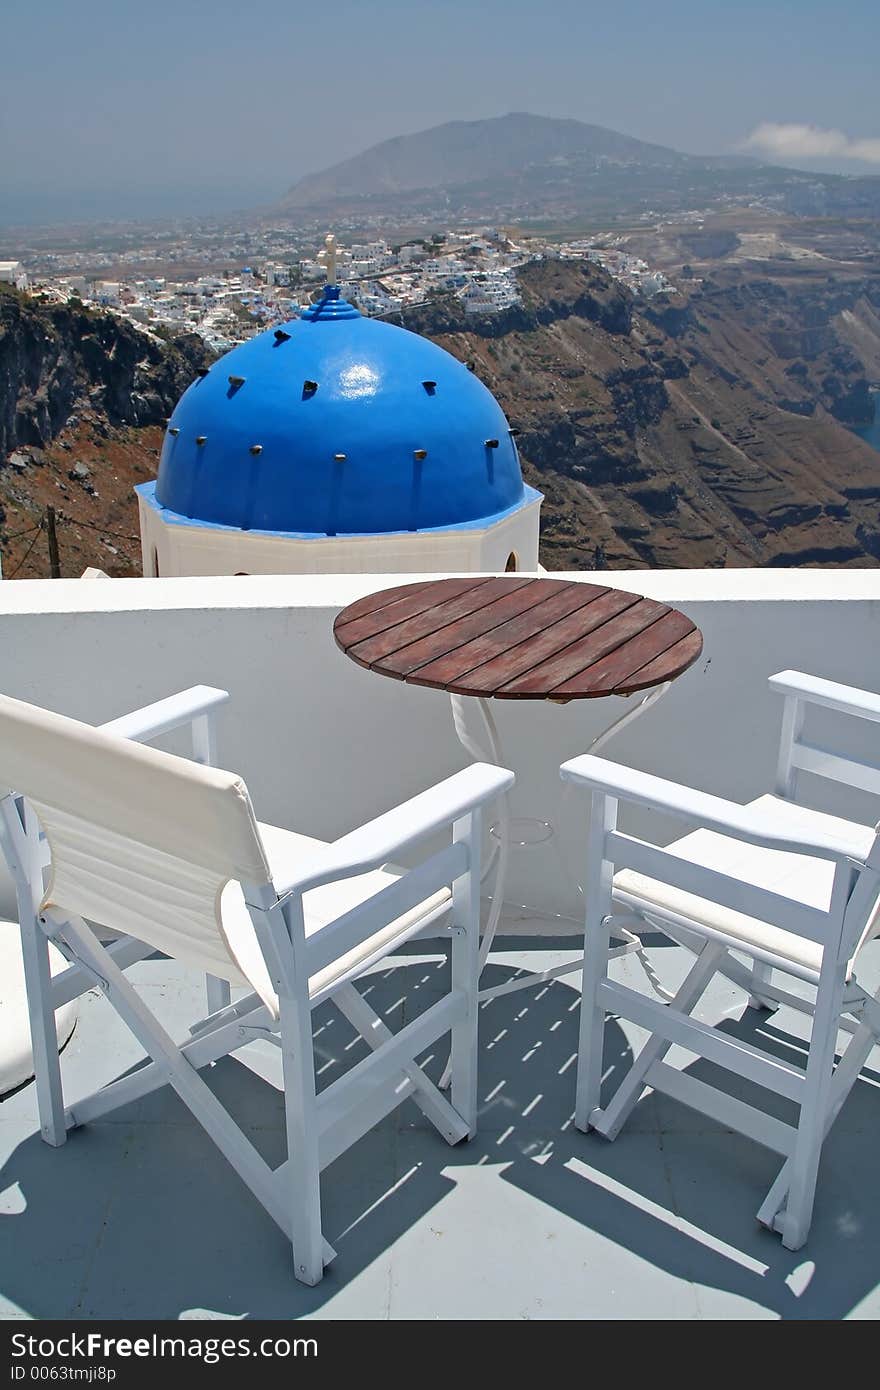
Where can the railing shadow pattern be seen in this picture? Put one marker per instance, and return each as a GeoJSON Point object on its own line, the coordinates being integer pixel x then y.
{"type": "Point", "coordinates": [141, 1216]}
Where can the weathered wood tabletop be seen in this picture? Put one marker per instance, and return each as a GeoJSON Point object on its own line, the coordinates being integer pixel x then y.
{"type": "Point", "coordinates": [519, 638]}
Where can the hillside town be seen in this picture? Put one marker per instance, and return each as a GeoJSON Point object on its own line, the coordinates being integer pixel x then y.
{"type": "Point", "coordinates": [163, 290]}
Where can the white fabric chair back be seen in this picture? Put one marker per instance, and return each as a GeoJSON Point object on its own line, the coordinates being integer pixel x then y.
{"type": "Point", "coordinates": [141, 841]}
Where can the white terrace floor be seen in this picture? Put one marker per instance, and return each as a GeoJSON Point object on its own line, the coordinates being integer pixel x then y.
{"type": "Point", "coordinates": [140, 1216]}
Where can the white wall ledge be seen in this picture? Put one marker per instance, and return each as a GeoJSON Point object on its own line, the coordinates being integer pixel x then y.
{"type": "Point", "coordinates": [333, 591]}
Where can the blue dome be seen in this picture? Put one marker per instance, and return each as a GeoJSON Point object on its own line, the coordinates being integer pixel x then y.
{"type": "Point", "coordinates": [336, 424]}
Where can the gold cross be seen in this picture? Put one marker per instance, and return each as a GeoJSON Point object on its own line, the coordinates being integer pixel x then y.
{"type": "Point", "coordinates": [327, 257]}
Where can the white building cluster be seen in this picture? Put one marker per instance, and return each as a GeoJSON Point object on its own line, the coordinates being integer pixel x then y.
{"type": "Point", "coordinates": [478, 268]}
{"type": "Point", "coordinates": [630, 270]}
{"type": "Point", "coordinates": [223, 309]}
{"type": "Point", "coordinates": [13, 273]}
{"type": "Point", "coordinates": [382, 278]}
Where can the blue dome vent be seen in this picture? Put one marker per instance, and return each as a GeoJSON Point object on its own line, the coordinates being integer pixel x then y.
{"type": "Point", "coordinates": [337, 424]}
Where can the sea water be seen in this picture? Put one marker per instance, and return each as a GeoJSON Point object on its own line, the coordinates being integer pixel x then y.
{"type": "Point", "coordinates": [871, 432]}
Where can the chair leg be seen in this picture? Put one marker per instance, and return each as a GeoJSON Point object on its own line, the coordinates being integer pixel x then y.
{"type": "Point", "coordinates": [846, 1074]}
{"type": "Point", "coordinates": [430, 1100]}
{"type": "Point", "coordinates": [218, 993]}
{"type": "Point", "coordinates": [736, 971]}
{"type": "Point", "coordinates": [794, 1223]}
{"type": "Point", "coordinates": [20, 838]}
{"type": "Point", "coordinates": [304, 1171]}
{"type": "Point", "coordinates": [465, 977]}
{"type": "Point", "coordinates": [179, 1070]}
{"type": "Point", "coordinates": [44, 1034]}
{"type": "Point", "coordinates": [465, 972]}
{"type": "Point", "coordinates": [762, 974]}
{"type": "Point", "coordinates": [591, 1038]}
{"type": "Point", "coordinates": [610, 1121]}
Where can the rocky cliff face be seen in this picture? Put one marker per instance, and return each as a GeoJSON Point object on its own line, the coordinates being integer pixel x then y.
{"type": "Point", "coordinates": [700, 430]}
{"type": "Point", "coordinates": [82, 399]}
{"type": "Point", "coordinates": [54, 358]}
{"type": "Point", "coordinates": [705, 430]}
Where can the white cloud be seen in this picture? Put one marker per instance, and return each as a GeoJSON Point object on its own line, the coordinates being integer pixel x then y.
{"type": "Point", "coordinates": [784, 140]}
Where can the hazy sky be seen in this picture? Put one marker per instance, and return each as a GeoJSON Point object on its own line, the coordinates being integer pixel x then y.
{"type": "Point", "coordinates": [129, 107]}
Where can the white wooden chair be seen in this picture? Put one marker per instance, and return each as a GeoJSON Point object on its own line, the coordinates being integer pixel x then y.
{"type": "Point", "coordinates": [103, 834]}
{"type": "Point", "coordinates": [793, 889]}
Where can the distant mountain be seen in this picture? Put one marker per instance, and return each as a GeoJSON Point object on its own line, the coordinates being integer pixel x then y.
{"type": "Point", "coordinates": [537, 167]}
{"type": "Point", "coordinates": [463, 152]}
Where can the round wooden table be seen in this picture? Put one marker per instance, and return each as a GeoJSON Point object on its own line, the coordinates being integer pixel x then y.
{"type": "Point", "coordinates": [518, 638]}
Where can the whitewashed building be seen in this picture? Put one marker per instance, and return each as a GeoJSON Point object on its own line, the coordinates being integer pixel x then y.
{"type": "Point", "coordinates": [13, 273]}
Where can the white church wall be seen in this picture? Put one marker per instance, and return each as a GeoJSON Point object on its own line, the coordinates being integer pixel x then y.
{"type": "Point", "coordinates": [172, 551]}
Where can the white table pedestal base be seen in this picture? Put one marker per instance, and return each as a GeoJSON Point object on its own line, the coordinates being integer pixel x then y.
{"type": "Point", "coordinates": [498, 861]}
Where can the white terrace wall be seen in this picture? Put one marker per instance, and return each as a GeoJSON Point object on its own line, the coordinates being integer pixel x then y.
{"type": "Point", "coordinates": [324, 744]}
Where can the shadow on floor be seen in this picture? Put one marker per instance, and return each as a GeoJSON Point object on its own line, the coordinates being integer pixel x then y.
{"type": "Point", "coordinates": [140, 1216]}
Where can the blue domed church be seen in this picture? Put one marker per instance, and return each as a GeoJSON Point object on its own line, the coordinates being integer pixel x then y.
{"type": "Point", "coordinates": [338, 443]}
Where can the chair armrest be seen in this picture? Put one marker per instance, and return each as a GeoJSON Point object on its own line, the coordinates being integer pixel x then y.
{"type": "Point", "coordinates": [373, 844]}
{"type": "Point", "coordinates": [714, 812]}
{"type": "Point", "coordinates": [153, 720]}
{"type": "Point", "coordinates": [847, 699]}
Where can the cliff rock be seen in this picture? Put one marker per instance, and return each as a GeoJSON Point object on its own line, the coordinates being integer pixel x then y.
{"type": "Point", "coordinates": [700, 429]}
